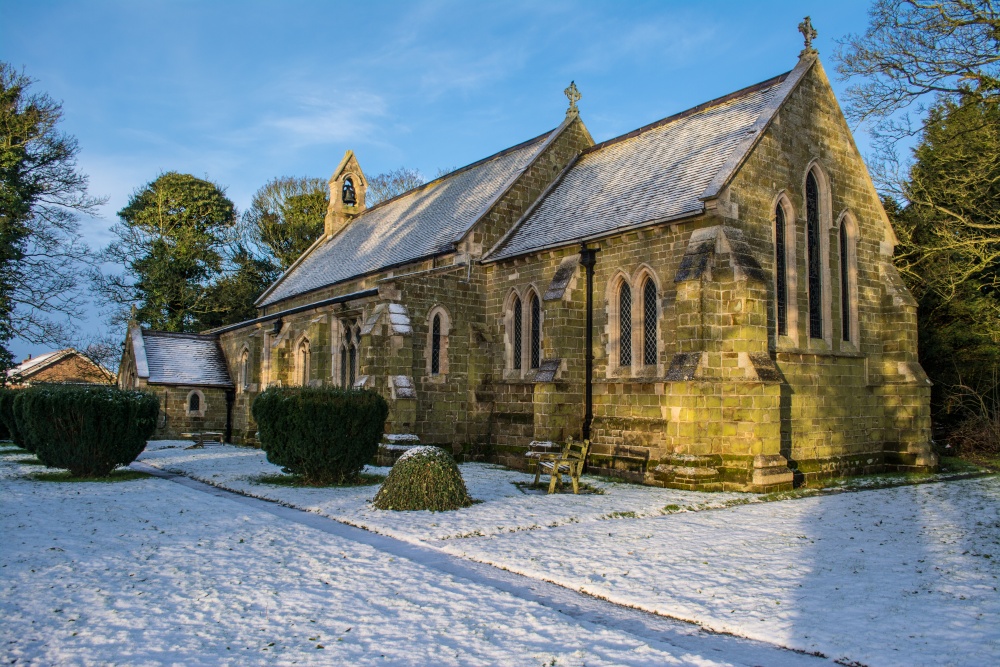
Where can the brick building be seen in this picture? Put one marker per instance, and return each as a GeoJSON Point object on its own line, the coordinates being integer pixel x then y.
{"type": "Point", "coordinates": [62, 366]}
{"type": "Point", "coordinates": [748, 325]}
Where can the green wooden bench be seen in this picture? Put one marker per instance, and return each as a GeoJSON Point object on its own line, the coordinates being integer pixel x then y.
{"type": "Point", "coordinates": [569, 462]}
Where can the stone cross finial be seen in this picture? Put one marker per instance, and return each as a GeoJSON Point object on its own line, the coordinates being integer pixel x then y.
{"type": "Point", "coordinates": [808, 34]}
{"type": "Point", "coordinates": [574, 96]}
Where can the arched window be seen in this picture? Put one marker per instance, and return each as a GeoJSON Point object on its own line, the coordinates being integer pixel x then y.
{"type": "Point", "coordinates": [194, 405]}
{"type": "Point", "coordinates": [343, 356]}
{"type": "Point", "coordinates": [517, 331]}
{"type": "Point", "coordinates": [625, 325]}
{"type": "Point", "coordinates": [302, 363]}
{"type": "Point", "coordinates": [354, 359]}
{"type": "Point", "coordinates": [245, 370]}
{"type": "Point", "coordinates": [649, 322]}
{"type": "Point", "coordinates": [349, 354]}
{"type": "Point", "coordinates": [436, 345]}
{"type": "Point", "coordinates": [814, 256]}
{"type": "Point", "coordinates": [780, 271]}
{"type": "Point", "coordinates": [848, 280]}
{"type": "Point", "coordinates": [536, 332]}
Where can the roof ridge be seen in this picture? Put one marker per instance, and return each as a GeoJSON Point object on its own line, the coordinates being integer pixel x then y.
{"type": "Point", "coordinates": [550, 139]}
{"type": "Point", "coordinates": [322, 240]}
{"type": "Point", "coordinates": [178, 334]}
{"type": "Point", "coordinates": [718, 101]}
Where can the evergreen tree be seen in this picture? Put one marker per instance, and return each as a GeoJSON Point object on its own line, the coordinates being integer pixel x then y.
{"type": "Point", "coordinates": [172, 241]}
{"type": "Point", "coordinates": [949, 251]}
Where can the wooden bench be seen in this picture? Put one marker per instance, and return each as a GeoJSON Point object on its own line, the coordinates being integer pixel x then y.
{"type": "Point", "coordinates": [200, 437]}
{"type": "Point", "coordinates": [569, 462]}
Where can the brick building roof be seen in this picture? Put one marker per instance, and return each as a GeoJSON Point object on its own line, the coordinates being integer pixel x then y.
{"type": "Point", "coordinates": [179, 358]}
{"type": "Point", "coordinates": [656, 173]}
{"type": "Point", "coordinates": [66, 365]}
{"type": "Point", "coordinates": [423, 222]}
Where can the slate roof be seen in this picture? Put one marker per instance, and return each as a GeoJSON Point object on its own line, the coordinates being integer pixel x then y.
{"type": "Point", "coordinates": [657, 172]}
{"type": "Point", "coordinates": [179, 358]}
{"type": "Point", "coordinates": [423, 222]}
{"type": "Point", "coordinates": [35, 364]}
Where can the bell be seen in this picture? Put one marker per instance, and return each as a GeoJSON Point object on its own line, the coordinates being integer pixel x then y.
{"type": "Point", "coordinates": [348, 193]}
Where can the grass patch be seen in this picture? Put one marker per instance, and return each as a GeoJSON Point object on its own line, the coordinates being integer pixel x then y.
{"type": "Point", "coordinates": [29, 461]}
{"type": "Point", "coordinates": [282, 479]}
{"type": "Point", "coordinates": [122, 475]}
{"type": "Point", "coordinates": [970, 463]}
{"type": "Point", "coordinates": [620, 515]}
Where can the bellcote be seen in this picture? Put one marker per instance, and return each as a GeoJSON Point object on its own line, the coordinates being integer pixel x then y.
{"type": "Point", "coordinates": [348, 186]}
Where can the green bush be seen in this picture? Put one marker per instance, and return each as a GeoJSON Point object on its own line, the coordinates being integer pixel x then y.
{"type": "Point", "coordinates": [18, 421]}
{"type": "Point", "coordinates": [7, 416]}
{"type": "Point", "coordinates": [90, 430]}
{"type": "Point", "coordinates": [424, 478]}
{"type": "Point", "coordinates": [324, 434]}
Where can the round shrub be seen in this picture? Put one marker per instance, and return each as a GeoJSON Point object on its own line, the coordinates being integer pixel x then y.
{"type": "Point", "coordinates": [7, 416]}
{"type": "Point", "coordinates": [88, 430]}
{"type": "Point", "coordinates": [424, 478]}
{"type": "Point", "coordinates": [324, 434]}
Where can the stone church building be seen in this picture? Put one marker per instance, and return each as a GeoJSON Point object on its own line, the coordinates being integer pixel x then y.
{"type": "Point", "coordinates": [710, 299]}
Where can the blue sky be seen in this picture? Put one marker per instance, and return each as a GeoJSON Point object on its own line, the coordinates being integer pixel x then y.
{"type": "Point", "coordinates": [242, 92]}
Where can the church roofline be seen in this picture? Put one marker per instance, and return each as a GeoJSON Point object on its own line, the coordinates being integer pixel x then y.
{"type": "Point", "coordinates": [259, 303]}
{"type": "Point", "coordinates": [789, 83]}
{"type": "Point", "coordinates": [552, 136]}
{"type": "Point", "coordinates": [363, 294]}
{"type": "Point", "coordinates": [688, 112]}
{"type": "Point", "coordinates": [599, 235]}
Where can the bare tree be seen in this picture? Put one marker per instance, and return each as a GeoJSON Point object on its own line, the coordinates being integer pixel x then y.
{"type": "Point", "coordinates": [916, 51]}
{"type": "Point", "coordinates": [42, 255]}
{"type": "Point", "coordinates": [391, 184]}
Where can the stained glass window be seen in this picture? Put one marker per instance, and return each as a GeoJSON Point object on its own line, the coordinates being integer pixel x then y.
{"type": "Point", "coordinates": [436, 345]}
{"type": "Point", "coordinates": [815, 269]}
{"type": "Point", "coordinates": [649, 323]}
{"type": "Point", "coordinates": [536, 331]}
{"type": "Point", "coordinates": [845, 287]}
{"type": "Point", "coordinates": [780, 271]}
{"type": "Point", "coordinates": [625, 325]}
{"type": "Point", "coordinates": [517, 315]}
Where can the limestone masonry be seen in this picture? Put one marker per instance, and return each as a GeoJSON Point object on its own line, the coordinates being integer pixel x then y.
{"type": "Point", "coordinates": [749, 329]}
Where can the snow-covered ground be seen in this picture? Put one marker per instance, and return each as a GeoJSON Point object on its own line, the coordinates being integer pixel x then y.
{"type": "Point", "coordinates": [897, 576]}
{"type": "Point", "coordinates": [148, 572]}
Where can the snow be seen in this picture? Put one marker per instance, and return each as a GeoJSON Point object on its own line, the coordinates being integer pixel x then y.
{"type": "Point", "coordinates": [149, 572]}
{"type": "Point", "coordinates": [894, 576]}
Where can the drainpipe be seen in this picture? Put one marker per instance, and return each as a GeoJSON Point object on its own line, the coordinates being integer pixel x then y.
{"type": "Point", "coordinates": [588, 258]}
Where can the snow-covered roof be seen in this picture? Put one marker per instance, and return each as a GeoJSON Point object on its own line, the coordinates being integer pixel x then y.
{"type": "Point", "coordinates": [424, 222]}
{"type": "Point", "coordinates": [659, 172]}
{"type": "Point", "coordinates": [179, 358]}
{"type": "Point", "coordinates": [34, 364]}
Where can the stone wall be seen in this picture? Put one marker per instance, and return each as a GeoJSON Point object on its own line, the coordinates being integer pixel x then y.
{"type": "Point", "coordinates": [174, 417]}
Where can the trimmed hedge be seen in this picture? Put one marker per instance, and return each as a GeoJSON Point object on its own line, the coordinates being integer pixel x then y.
{"type": "Point", "coordinates": [424, 478]}
{"type": "Point", "coordinates": [88, 430]}
{"type": "Point", "coordinates": [7, 415]}
{"type": "Point", "coordinates": [20, 423]}
{"type": "Point", "coordinates": [325, 434]}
